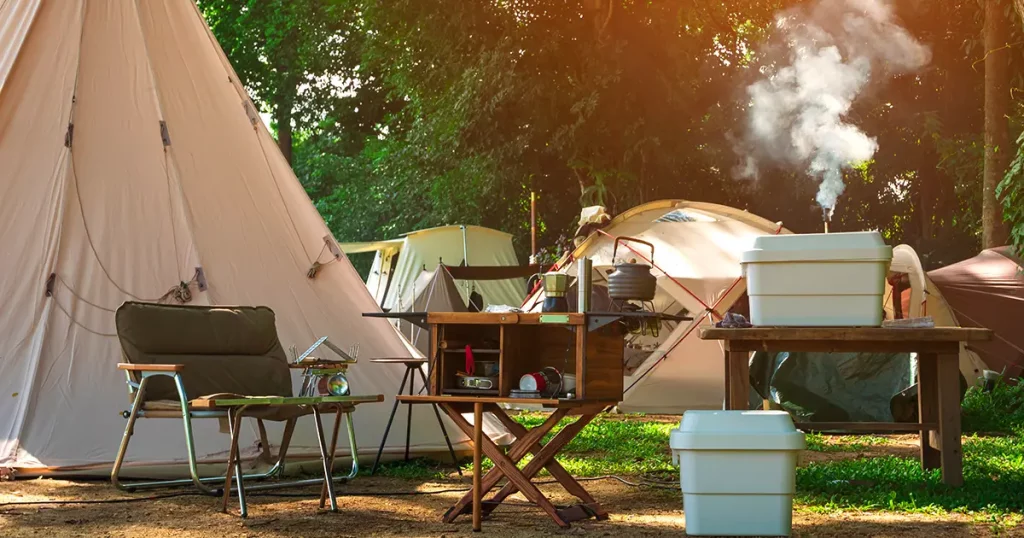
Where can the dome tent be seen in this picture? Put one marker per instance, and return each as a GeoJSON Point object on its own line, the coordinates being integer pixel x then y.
{"type": "Point", "coordinates": [697, 253]}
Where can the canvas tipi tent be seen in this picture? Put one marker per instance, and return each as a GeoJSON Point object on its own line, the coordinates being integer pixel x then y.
{"type": "Point", "coordinates": [131, 156]}
{"type": "Point", "coordinates": [398, 263]}
{"type": "Point", "coordinates": [697, 252]}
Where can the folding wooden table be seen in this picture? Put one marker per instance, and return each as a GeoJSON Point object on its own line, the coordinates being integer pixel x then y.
{"type": "Point", "coordinates": [528, 441]}
{"type": "Point", "coordinates": [938, 393]}
{"type": "Point", "coordinates": [588, 345]}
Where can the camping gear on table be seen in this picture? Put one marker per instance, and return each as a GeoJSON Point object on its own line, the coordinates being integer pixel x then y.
{"type": "Point", "coordinates": [547, 381]}
{"type": "Point", "coordinates": [737, 471]}
{"type": "Point", "coordinates": [630, 280]}
{"type": "Point", "coordinates": [584, 283]}
{"type": "Point", "coordinates": [817, 280]}
{"type": "Point", "coordinates": [225, 363]}
{"type": "Point", "coordinates": [555, 285]}
{"type": "Point", "coordinates": [323, 377]}
{"type": "Point", "coordinates": [476, 382]}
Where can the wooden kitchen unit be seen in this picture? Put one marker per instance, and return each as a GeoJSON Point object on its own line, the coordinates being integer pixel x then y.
{"type": "Point", "coordinates": [577, 344]}
{"type": "Point", "coordinates": [587, 345]}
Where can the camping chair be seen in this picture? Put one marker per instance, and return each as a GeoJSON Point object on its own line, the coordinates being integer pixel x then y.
{"type": "Point", "coordinates": [197, 362]}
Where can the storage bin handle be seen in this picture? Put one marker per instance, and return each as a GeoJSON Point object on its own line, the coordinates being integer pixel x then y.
{"type": "Point", "coordinates": [633, 239]}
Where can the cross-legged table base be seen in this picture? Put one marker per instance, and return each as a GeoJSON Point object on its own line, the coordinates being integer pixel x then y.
{"type": "Point", "coordinates": [528, 441]}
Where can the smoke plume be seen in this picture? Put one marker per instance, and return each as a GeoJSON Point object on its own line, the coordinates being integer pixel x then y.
{"type": "Point", "coordinates": [798, 111]}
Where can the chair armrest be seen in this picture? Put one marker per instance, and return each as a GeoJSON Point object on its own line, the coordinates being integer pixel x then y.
{"type": "Point", "coordinates": [150, 367]}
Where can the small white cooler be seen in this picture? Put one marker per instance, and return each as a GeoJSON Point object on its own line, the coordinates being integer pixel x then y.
{"type": "Point", "coordinates": [737, 470]}
{"type": "Point", "coordinates": [817, 280]}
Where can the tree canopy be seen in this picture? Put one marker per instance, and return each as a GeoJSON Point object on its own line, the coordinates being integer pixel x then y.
{"type": "Point", "coordinates": [403, 114]}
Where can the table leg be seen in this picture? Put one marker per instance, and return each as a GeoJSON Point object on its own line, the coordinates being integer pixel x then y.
{"type": "Point", "coordinates": [545, 458]}
{"type": "Point", "coordinates": [928, 406]}
{"type": "Point", "coordinates": [949, 419]}
{"type": "Point", "coordinates": [408, 406]}
{"type": "Point", "coordinates": [478, 418]}
{"type": "Point", "coordinates": [509, 469]}
{"type": "Point", "coordinates": [519, 448]}
{"type": "Point", "coordinates": [387, 429]}
{"type": "Point", "coordinates": [738, 375]}
{"type": "Point", "coordinates": [440, 423]}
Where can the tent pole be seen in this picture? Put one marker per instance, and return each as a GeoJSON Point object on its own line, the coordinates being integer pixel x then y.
{"type": "Point", "coordinates": [533, 227]}
{"type": "Point", "coordinates": [465, 259]}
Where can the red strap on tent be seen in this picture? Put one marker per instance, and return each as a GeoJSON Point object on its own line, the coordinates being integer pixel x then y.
{"type": "Point", "coordinates": [693, 327]}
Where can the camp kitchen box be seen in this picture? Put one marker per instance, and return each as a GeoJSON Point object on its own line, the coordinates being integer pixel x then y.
{"type": "Point", "coordinates": [817, 280]}
{"type": "Point", "coordinates": [737, 470]}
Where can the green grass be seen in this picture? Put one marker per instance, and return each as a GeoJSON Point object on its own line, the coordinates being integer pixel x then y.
{"type": "Point", "coordinates": [993, 463]}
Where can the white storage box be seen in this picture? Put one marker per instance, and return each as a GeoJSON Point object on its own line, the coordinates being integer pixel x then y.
{"type": "Point", "coordinates": [737, 470]}
{"type": "Point", "coordinates": [817, 280]}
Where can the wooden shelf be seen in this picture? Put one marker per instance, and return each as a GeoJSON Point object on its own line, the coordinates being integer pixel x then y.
{"type": "Point", "coordinates": [472, 392]}
{"type": "Point", "coordinates": [527, 343]}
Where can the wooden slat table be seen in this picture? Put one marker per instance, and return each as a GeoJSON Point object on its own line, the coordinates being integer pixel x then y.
{"type": "Point", "coordinates": [938, 391]}
{"type": "Point", "coordinates": [527, 441]}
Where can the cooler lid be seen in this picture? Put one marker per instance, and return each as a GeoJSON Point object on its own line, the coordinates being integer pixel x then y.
{"type": "Point", "coordinates": [843, 246]}
{"type": "Point", "coordinates": [736, 430]}
{"type": "Point", "coordinates": [754, 421]}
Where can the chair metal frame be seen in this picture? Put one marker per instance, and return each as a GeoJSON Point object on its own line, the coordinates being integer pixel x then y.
{"type": "Point", "coordinates": [233, 410]}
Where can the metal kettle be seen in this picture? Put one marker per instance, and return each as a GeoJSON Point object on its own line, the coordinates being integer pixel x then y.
{"type": "Point", "coordinates": [631, 280]}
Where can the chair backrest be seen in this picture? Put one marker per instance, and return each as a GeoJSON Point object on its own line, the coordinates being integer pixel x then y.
{"type": "Point", "coordinates": [225, 349]}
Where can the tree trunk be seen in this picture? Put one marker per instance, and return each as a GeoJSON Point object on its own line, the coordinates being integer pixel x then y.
{"type": "Point", "coordinates": [283, 119]}
{"type": "Point", "coordinates": [997, 128]}
{"type": "Point", "coordinates": [1019, 5]}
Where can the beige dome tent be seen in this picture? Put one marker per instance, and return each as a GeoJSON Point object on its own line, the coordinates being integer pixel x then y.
{"type": "Point", "coordinates": [399, 263]}
{"type": "Point", "coordinates": [134, 166]}
{"type": "Point", "coordinates": [697, 253]}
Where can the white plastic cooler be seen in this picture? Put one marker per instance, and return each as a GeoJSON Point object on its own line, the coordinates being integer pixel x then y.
{"type": "Point", "coordinates": [737, 470]}
{"type": "Point", "coordinates": [817, 280]}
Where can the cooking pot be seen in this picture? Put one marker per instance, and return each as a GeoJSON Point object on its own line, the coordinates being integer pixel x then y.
{"type": "Point", "coordinates": [631, 280]}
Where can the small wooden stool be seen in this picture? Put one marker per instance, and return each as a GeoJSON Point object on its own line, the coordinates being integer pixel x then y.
{"type": "Point", "coordinates": [412, 366]}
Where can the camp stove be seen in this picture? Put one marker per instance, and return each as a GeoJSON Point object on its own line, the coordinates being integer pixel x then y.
{"type": "Point", "coordinates": [324, 377]}
{"type": "Point", "coordinates": [641, 325]}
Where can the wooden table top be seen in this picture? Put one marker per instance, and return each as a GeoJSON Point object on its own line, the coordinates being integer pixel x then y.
{"type": "Point", "coordinates": [546, 402]}
{"type": "Point", "coordinates": [847, 334]}
{"type": "Point", "coordinates": [399, 360]}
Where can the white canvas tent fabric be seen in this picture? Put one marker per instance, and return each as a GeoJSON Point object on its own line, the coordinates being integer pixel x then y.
{"type": "Point", "coordinates": [391, 279]}
{"type": "Point", "coordinates": [698, 247]}
{"type": "Point", "coordinates": [167, 168]}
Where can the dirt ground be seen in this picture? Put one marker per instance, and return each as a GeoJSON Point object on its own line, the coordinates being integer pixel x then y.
{"type": "Point", "coordinates": [633, 512]}
{"type": "Point", "coordinates": [366, 509]}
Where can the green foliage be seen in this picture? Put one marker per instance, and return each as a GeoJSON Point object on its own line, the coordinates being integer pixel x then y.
{"type": "Point", "coordinates": [416, 113]}
{"type": "Point", "coordinates": [993, 466]}
{"type": "Point", "coordinates": [1011, 192]}
{"type": "Point", "coordinates": [1000, 410]}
